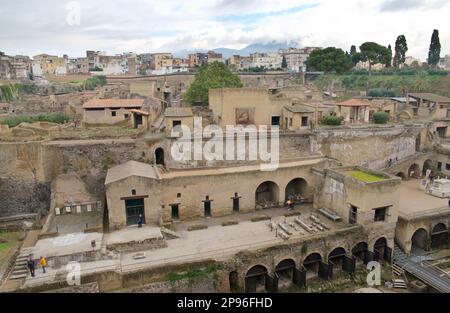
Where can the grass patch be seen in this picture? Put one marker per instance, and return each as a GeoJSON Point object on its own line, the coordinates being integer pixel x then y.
{"type": "Point", "coordinates": [365, 177]}
{"type": "Point", "coordinates": [5, 245]}
{"type": "Point", "coordinates": [193, 274]}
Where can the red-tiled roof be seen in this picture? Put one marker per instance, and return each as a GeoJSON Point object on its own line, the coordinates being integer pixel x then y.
{"type": "Point", "coordinates": [113, 103]}
{"type": "Point", "coordinates": [139, 112]}
{"type": "Point", "coordinates": [354, 103]}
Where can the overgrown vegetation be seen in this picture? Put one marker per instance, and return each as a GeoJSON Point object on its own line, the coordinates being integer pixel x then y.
{"type": "Point", "coordinates": [380, 117]}
{"type": "Point", "coordinates": [390, 82]}
{"type": "Point", "coordinates": [94, 82]}
{"type": "Point", "coordinates": [193, 274]}
{"type": "Point", "coordinates": [58, 118]}
{"type": "Point", "coordinates": [331, 120]}
{"type": "Point", "coordinates": [11, 91]}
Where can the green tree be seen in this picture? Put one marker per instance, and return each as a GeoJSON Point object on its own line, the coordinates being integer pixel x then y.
{"type": "Point", "coordinates": [210, 76]}
{"type": "Point", "coordinates": [373, 53]}
{"type": "Point", "coordinates": [329, 60]}
{"type": "Point", "coordinates": [435, 49]}
{"type": "Point", "coordinates": [401, 47]}
{"type": "Point", "coordinates": [389, 57]}
{"type": "Point", "coordinates": [284, 63]}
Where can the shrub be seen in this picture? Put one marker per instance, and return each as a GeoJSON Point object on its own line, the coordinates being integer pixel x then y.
{"type": "Point", "coordinates": [59, 118]}
{"type": "Point", "coordinates": [332, 120]}
{"type": "Point", "coordinates": [380, 117]}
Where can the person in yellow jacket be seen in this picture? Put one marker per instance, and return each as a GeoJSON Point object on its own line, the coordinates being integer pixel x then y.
{"type": "Point", "coordinates": [43, 263]}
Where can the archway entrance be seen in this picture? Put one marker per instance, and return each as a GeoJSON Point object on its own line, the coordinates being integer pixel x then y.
{"type": "Point", "coordinates": [360, 251]}
{"type": "Point", "coordinates": [267, 194]}
{"type": "Point", "coordinates": [439, 236]}
{"type": "Point", "coordinates": [401, 175]}
{"type": "Point", "coordinates": [234, 281]}
{"type": "Point", "coordinates": [312, 265]}
{"type": "Point", "coordinates": [419, 241]}
{"type": "Point", "coordinates": [159, 156]}
{"type": "Point", "coordinates": [414, 171]}
{"type": "Point", "coordinates": [285, 272]}
{"type": "Point", "coordinates": [427, 165]}
{"type": "Point", "coordinates": [380, 248]}
{"type": "Point", "coordinates": [336, 257]}
{"type": "Point", "coordinates": [296, 189]}
{"type": "Point", "coordinates": [255, 280]}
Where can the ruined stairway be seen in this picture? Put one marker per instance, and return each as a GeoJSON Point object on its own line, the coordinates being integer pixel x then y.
{"type": "Point", "coordinates": [20, 269]}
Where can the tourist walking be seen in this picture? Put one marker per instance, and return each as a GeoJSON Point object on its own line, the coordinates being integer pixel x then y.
{"type": "Point", "coordinates": [43, 263]}
{"type": "Point", "coordinates": [30, 265]}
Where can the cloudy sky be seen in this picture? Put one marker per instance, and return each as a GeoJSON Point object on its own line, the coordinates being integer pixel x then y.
{"type": "Point", "coordinates": [51, 26]}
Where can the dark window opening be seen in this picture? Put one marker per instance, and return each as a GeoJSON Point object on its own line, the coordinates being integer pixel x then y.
{"type": "Point", "coordinates": [125, 116]}
{"type": "Point", "coordinates": [207, 208]}
{"type": "Point", "coordinates": [133, 192]}
{"type": "Point", "coordinates": [439, 166]}
{"type": "Point", "coordinates": [176, 123]}
{"type": "Point", "coordinates": [175, 211]}
{"type": "Point", "coordinates": [276, 120]}
{"type": "Point", "coordinates": [380, 214]}
{"type": "Point", "coordinates": [304, 121]}
{"type": "Point", "coordinates": [447, 166]}
{"type": "Point", "coordinates": [178, 195]}
{"type": "Point", "coordinates": [113, 113]}
{"type": "Point", "coordinates": [353, 214]}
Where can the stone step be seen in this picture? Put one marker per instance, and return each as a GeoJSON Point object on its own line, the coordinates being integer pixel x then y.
{"type": "Point", "coordinates": [20, 271]}
{"type": "Point", "coordinates": [18, 276]}
{"type": "Point", "coordinates": [21, 263]}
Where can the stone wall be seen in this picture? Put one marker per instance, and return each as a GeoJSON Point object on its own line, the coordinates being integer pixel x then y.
{"type": "Point", "coordinates": [27, 169]}
{"type": "Point", "coordinates": [369, 147]}
{"type": "Point", "coordinates": [23, 197]}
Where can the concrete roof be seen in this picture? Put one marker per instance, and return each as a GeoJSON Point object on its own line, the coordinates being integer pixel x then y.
{"type": "Point", "coordinates": [113, 103]}
{"type": "Point", "coordinates": [430, 97]}
{"type": "Point", "coordinates": [131, 168]}
{"type": "Point", "coordinates": [403, 99]}
{"type": "Point", "coordinates": [298, 108]}
{"type": "Point", "coordinates": [354, 103]}
{"type": "Point", "coordinates": [178, 112]}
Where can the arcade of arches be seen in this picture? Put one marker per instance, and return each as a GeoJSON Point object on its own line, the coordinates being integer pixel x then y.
{"type": "Point", "coordinates": [315, 265]}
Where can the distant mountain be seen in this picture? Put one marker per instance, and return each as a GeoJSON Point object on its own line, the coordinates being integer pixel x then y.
{"type": "Point", "coordinates": [272, 46]}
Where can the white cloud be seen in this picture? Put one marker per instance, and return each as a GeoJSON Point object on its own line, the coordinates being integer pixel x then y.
{"type": "Point", "coordinates": [154, 25]}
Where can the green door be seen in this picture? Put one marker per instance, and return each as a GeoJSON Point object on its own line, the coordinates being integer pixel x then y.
{"type": "Point", "coordinates": [133, 208]}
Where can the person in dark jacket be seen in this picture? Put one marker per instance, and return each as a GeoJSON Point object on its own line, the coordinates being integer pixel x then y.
{"type": "Point", "coordinates": [31, 267]}
{"type": "Point", "coordinates": [140, 220]}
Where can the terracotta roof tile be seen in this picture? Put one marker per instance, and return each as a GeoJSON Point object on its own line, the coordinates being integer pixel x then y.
{"type": "Point", "coordinates": [354, 103]}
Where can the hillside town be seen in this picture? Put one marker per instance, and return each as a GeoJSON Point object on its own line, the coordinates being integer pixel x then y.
{"type": "Point", "coordinates": [297, 170]}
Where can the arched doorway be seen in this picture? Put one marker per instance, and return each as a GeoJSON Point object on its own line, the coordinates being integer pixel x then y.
{"type": "Point", "coordinates": [234, 281]}
{"type": "Point", "coordinates": [380, 246]}
{"type": "Point", "coordinates": [311, 265]}
{"type": "Point", "coordinates": [159, 156]}
{"type": "Point", "coordinates": [419, 241]}
{"type": "Point", "coordinates": [295, 189]}
{"type": "Point", "coordinates": [360, 251]}
{"type": "Point", "coordinates": [401, 175]}
{"type": "Point", "coordinates": [285, 272]}
{"type": "Point", "coordinates": [427, 165]}
{"type": "Point", "coordinates": [255, 280]}
{"type": "Point", "coordinates": [267, 195]}
{"type": "Point", "coordinates": [414, 171]}
{"type": "Point", "coordinates": [439, 236]}
{"type": "Point", "coordinates": [337, 258]}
